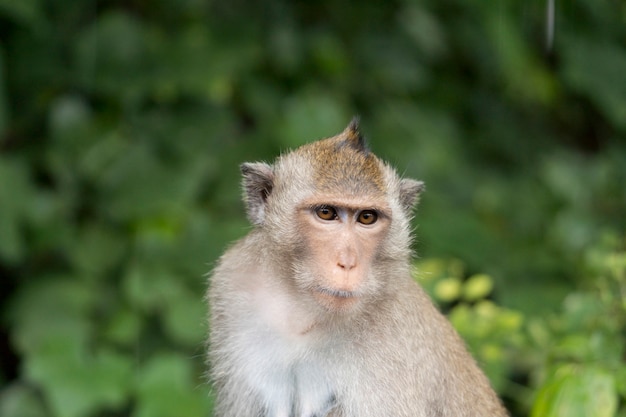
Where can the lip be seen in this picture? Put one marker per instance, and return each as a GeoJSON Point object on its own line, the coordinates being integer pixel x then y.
{"type": "Point", "coordinates": [342, 294]}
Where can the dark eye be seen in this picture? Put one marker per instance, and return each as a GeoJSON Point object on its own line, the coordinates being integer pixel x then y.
{"type": "Point", "coordinates": [326, 213]}
{"type": "Point", "coordinates": [367, 217]}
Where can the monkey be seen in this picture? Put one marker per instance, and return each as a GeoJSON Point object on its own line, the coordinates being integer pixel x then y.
{"type": "Point", "coordinates": [315, 313]}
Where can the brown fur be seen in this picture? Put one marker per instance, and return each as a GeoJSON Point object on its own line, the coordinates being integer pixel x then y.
{"type": "Point", "coordinates": [344, 163]}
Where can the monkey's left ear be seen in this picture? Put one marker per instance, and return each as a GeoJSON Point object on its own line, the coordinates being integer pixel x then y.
{"type": "Point", "coordinates": [409, 193]}
{"type": "Point", "coordinates": [258, 182]}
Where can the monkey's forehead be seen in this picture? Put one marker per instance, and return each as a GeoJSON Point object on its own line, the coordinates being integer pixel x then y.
{"type": "Point", "coordinates": [339, 165]}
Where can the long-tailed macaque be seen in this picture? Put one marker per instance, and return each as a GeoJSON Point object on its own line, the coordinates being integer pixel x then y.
{"type": "Point", "coordinates": [315, 313]}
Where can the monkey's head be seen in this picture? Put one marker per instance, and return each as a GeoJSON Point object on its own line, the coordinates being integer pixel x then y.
{"type": "Point", "coordinates": [337, 217]}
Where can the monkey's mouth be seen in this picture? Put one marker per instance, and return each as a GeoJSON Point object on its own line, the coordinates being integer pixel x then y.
{"type": "Point", "coordinates": [337, 293]}
{"type": "Point", "coordinates": [336, 301]}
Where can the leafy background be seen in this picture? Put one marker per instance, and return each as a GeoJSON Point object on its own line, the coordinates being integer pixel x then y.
{"type": "Point", "coordinates": [122, 124]}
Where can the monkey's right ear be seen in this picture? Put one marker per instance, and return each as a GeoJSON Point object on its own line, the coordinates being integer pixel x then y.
{"type": "Point", "coordinates": [258, 181]}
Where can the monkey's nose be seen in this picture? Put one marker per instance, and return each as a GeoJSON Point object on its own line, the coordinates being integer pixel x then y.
{"type": "Point", "coordinates": [347, 262]}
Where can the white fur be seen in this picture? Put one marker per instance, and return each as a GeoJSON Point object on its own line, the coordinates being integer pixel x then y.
{"type": "Point", "coordinates": [276, 356]}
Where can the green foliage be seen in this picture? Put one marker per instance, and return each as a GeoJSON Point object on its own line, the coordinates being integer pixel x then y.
{"type": "Point", "coordinates": [122, 125]}
{"type": "Point", "coordinates": [573, 356]}
{"type": "Point", "coordinates": [581, 350]}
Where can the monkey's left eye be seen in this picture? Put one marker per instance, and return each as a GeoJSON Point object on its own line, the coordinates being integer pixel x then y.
{"type": "Point", "coordinates": [326, 213]}
{"type": "Point", "coordinates": [367, 217]}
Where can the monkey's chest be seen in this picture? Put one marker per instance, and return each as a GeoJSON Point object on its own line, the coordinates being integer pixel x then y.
{"type": "Point", "coordinates": [289, 379]}
{"type": "Point", "coordinates": [284, 364]}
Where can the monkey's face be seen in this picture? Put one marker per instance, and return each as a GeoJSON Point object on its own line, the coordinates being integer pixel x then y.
{"type": "Point", "coordinates": [335, 217]}
{"type": "Point", "coordinates": [340, 242]}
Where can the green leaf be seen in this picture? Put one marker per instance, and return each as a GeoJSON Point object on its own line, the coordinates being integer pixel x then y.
{"type": "Point", "coordinates": [184, 319]}
{"type": "Point", "coordinates": [577, 391]}
{"type": "Point", "coordinates": [124, 327]}
{"type": "Point", "coordinates": [54, 333]}
{"type": "Point", "coordinates": [19, 400]}
{"type": "Point", "coordinates": [149, 288]}
{"type": "Point", "coordinates": [110, 378]}
{"type": "Point", "coordinates": [77, 385]}
{"type": "Point", "coordinates": [596, 68]}
{"type": "Point", "coordinates": [111, 56]}
{"type": "Point", "coordinates": [140, 183]}
{"type": "Point", "coordinates": [477, 287]}
{"type": "Point", "coordinates": [167, 387]}
{"type": "Point", "coordinates": [16, 202]}
{"type": "Point", "coordinates": [96, 250]}
{"type": "Point", "coordinates": [26, 11]}
{"type": "Point", "coordinates": [448, 289]}
{"type": "Point", "coordinates": [68, 114]}
{"type": "Point", "coordinates": [51, 311]}
{"type": "Point", "coordinates": [60, 371]}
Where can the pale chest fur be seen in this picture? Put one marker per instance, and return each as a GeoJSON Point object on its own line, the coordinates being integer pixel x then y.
{"type": "Point", "coordinates": [281, 355]}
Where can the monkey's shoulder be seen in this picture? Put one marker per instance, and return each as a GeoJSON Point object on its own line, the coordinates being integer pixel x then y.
{"type": "Point", "coordinates": [241, 258]}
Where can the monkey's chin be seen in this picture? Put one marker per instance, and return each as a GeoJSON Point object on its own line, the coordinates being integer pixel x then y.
{"type": "Point", "coordinates": [336, 300]}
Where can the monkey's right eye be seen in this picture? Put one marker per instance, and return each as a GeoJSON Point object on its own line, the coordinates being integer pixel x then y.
{"type": "Point", "coordinates": [326, 213]}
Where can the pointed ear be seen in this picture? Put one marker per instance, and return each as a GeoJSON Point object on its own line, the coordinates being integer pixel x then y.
{"type": "Point", "coordinates": [258, 181]}
{"type": "Point", "coordinates": [409, 193]}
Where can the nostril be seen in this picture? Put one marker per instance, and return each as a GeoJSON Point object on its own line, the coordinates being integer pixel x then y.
{"type": "Point", "coordinates": [346, 259]}
{"type": "Point", "coordinates": [347, 265]}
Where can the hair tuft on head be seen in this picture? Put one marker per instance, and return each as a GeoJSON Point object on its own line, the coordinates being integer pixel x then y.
{"type": "Point", "coordinates": [353, 136]}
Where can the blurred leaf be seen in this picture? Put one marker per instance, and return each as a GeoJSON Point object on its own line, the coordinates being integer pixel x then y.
{"type": "Point", "coordinates": [111, 56]}
{"type": "Point", "coordinates": [429, 269]}
{"type": "Point", "coordinates": [48, 312]}
{"type": "Point", "coordinates": [110, 378]}
{"type": "Point", "coordinates": [425, 30]}
{"type": "Point", "coordinates": [573, 347]}
{"type": "Point", "coordinates": [328, 53]}
{"type": "Point", "coordinates": [167, 387]}
{"type": "Point", "coordinates": [79, 384]}
{"type": "Point", "coordinates": [620, 378]}
{"type": "Point", "coordinates": [581, 309]}
{"type": "Point", "coordinates": [16, 200]}
{"type": "Point", "coordinates": [20, 401]}
{"type": "Point", "coordinates": [574, 391]}
{"type": "Point", "coordinates": [595, 68]}
{"type": "Point", "coordinates": [568, 177]}
{"type": "Point", "coordinates": [97, 250]}
{"type": "Point", "coordinates": [67, 115]}
{"type": "Point", "coordinates": [477, 287]}
{"type": "Point", "coordinates": [400, 69]}
{"type": "Point", "coordinates": [185, 318]}
{"type": "Point", "coordinates": [27, 12]}
{"type": "Point", "coordinates": [523, 74]}
{"type": "Point", "coordinates": [140, 184]}
{"type": "Point", "coordinates": [538, 332]}
{"type": "Point", "coordinates": [124, 327]}
{"type": "Point", "coordinates": [149, 289]}
{"type": "Point", "coordinates": [285, 48]}
{"type": "Point", "coordinates": [194, 252]}
{"type": "Point", "coordinates": [448, 289]}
